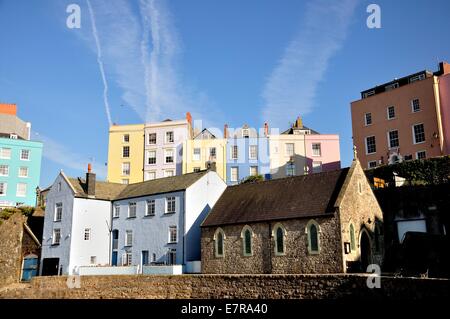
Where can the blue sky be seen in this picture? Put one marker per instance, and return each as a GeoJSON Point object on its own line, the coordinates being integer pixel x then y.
{"type": "Point", "coordinates": [228, 61]}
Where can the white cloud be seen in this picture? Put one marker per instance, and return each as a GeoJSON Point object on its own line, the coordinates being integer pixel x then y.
{"type": "Point", "coordinates": [291, 88]}
{"type": "Point", "coordinates": [141, 49]}
{"type": "Point", "coordinates": [62, 155]}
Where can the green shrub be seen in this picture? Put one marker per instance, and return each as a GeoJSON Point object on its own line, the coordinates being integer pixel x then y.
{"type": "Point", "coordinates": [431, 171]}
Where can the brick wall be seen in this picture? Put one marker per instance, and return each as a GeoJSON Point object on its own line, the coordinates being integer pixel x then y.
{"type": "Point", "coordinates": [233, 286]}
{"type": "Point", "coordinates": [296, 259]}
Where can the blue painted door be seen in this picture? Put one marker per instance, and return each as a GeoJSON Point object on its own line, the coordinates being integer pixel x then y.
{"type": "Point", "coordinates": [114, 258]}
{"type": "Point", "coordinates": [30, 265]}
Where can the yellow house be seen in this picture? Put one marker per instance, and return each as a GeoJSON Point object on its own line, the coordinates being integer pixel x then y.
{"type": "Point", "coordinates": [205, 151]}
{"type": "Point", "coordinates": [126, 154]}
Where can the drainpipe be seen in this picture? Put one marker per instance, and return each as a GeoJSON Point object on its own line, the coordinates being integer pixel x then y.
{"type": "Point", "coordinates": [437, 103]}
{"type": "Point", "coordinates": [184, 228]}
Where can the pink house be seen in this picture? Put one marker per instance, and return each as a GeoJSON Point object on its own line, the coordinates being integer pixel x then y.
{"type": "Point", "coordinates": [444, 92]}
{"type": "Point", "coordinates": [322, 152]}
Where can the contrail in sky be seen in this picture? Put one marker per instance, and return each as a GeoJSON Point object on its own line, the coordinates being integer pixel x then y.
{"type": "Point", "coordinates": [100, 63]}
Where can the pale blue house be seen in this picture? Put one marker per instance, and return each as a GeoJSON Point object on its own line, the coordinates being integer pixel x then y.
{"type": "Point", "coordinates": [247, 154]}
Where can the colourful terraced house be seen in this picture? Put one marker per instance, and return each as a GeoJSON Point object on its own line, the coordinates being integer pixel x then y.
{"type": "Point", "coordinates": [20, 160]}
{"type": "Point", "coordinates": [205, 151]}
{"type": "Point", "coordinates": [247, 153]}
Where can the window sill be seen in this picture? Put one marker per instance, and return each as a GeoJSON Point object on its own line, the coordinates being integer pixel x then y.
{"type": "Point", "coordinates": [419, 143]}
{"type": "Point", "coordinates": [149, 216]}
{"type": "Point", "coordinates": [169, 213]}
{"type": "Point", "coordinates": [131, 217]}
{"type": "Point", "coordinates": [54, 245]}
{"type": "Point", "coordinates": [57, 221]}
{"type": "Point", "coordinates": [115, 217]}
{"type": "Point", "coordinates": [174, 242]}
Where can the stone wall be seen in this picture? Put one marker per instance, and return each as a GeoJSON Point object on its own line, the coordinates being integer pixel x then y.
{"type": "Point", "coordinates": [360, 207]}
{"type": "Point", "coordinates": [263, 260]}
{"type": "Point", "coordinates": [11, 233]}
{"type": "Point", "coordinates": [340, 286]}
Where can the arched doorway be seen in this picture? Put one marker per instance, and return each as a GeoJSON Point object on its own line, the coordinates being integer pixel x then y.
{"type": "Point", "coordinates": [365, 249]}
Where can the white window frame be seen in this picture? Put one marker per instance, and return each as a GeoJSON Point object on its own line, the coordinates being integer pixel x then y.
{"type": "Point", "coordinates": [58, 213]}
{"type": "Point", "coordinates": [5, 188]}
{"type": "Point", "coordinates": [150, 175]}
{"type": "Point", "coordinates": [170, 239]}
{"type": "Point", "coordinates": [151, 212]}
{"type": "Point", "coordinates": [167, 171]}
{"type": "Point", "coordinates": [166, 155]}
{"type": "Point", "coordinates": [369, 162]}
{"type": "Point", "coordinates": [367, 147]}
{"type": "Point", "coordinates": [388, 115]}
{"type": "Point", "coordinates": [171, 201]}
{"type": "Point", "coordinates": [20, 171]}
{"type": "Point", "coordinates": [389, 139]}
{"type": "Point", "coordinates": [412, 105]}
{"type": "Point", "coordinates": [128, 238]}
{"type": "Point", "coordinates": [130, 205]}
{"type": "Point", "coordinates": [414, 134]}
{"type": "Point", "coordinates": [4, 150]}
{"type": "Point", "coordinates": [23, 192]}
{"type": "Point", "coordinates": [116, 212]}
{"type": "Point", "coordinates": [245, 133]}
{"type": "Point", "coordinates": [6, 167]}
{"type": "Point", "coordinates": [212, 157]}
{"type": "Point", "coordinates": [320, 149]}
{"type": "Point", "coordinates": [167, 139]}
{"type": "Point", "coordinates": [253, 149]}
{"type": "Point", "coordinates": [318, 164]}
{"type": "Point", "coordinates": [234, 152]}
{"type": "Point", "coordinates": [125, 181]}
{"type": "Point", "coordinates": [149, 157]}
{"type": "Point", "coordinates": [150, 141]}
{"type": "Point", "coordinates": [417, 154]}
{"type": "Point", "coordinates": [290, 167]}
{"type": "Point", "coordinates": [197, 157]}
{"type": "Point", "coordinates": [25, 151]}
{"type": "Point", "coordinates": [56, 240]}
{"type": "Point", "coordinates": [236, 169]}
{"type": "Point", "coordinates": [126, 172]}
{"type": "Point", "coordinates": [93, 260]}
{"type": "Point", "coordinates": [286, 148]}
{"type": "Point", "coordinates": [124, 140]}
{"type": "Point", "coordinates": [87, 234]}
{"type": "Point", "coordinates": [252, 168]}
{"type": "Point", "coordinates": [365, 119]}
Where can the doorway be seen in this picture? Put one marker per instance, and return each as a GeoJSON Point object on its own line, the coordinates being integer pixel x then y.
{"type": "Point", "coordinates": [366, 252]}
{"type": "Point", "coordinates": [50, 266]}
{"type": "Point", "coordinates": [30, 267]}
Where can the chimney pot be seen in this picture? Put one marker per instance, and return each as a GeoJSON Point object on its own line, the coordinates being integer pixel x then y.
{"type": "Point", "coordinates": [225, 131]}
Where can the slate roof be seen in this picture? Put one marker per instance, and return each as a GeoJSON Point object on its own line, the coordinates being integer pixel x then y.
{"type": "Point", "coordinates": [116, 191]}
{"type": "Point", "coordinates": [103, 190]}
{"type": "Point", "coordinates": [291, 130]}
{"type": "Point", "coordinates": [160, 185]}
{"type": "Point", "coordinates": [286, 198]}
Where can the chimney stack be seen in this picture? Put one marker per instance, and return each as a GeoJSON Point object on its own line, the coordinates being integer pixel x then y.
{"type": "Point", "coordinates": [90, 181]}
{"type": "Point", "coordinates": [225, 131]}
{"type": "Point", "coordinates": [266, 129]}
{"type": "Point", "coordinates": [299, 122]}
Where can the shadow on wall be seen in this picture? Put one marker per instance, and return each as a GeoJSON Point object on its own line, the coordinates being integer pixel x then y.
{"type": "Point", "coordinates": [303, 165]}
{"type": "Point", "coordinates": [193, 236]}
{"type": "Point", "coordinates": [369, 246]}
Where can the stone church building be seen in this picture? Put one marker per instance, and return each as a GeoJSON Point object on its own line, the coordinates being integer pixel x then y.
{"type": "Point", "coordinates": [319, 223]}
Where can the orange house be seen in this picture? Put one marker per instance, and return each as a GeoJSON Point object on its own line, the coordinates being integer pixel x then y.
{"type": "Point", "coordinates": [401, 120]}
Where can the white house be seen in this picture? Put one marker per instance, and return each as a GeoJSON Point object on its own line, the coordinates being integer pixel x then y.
{"type": "Point", "coordinates": [77, 224]}
{"type": "Point", "coordinates": [155, 222]}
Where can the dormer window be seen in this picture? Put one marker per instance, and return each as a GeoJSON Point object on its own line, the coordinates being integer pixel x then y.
{"type": "Point", "coordinates": [13, 136]}
{"type": "Point", "coordinates": [245, 133]}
